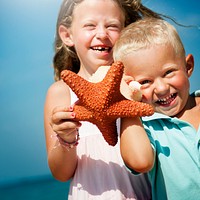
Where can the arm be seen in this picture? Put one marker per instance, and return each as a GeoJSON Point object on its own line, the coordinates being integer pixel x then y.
{"type": "Point", "coordinates": [135, 146]}
{"type": "Point", "coordinates": [57, 115]}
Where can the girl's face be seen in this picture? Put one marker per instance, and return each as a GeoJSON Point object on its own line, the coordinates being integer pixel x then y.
{"type": "Point", "coordinates": [164, 77]}
{"type": "Point", "coordinates": [95, 27]}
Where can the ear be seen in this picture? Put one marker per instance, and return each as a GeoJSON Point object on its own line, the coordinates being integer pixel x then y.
{"type": "Point", "coordinates": [189, 64]}
{"type": "Point", "coordinates": [65, 35]}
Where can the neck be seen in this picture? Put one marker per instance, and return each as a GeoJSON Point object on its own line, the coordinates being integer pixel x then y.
{"type": "Point", "coordinates": [83, 72]}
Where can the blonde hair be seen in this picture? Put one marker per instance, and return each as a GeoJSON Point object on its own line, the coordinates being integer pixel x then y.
{"type": "Point", "coordinates": [65, 57]}
{"type": "Point", "coordinates": [143, 34]}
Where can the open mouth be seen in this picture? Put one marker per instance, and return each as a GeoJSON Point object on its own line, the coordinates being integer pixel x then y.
{"type": "Point", "coordinates": [102, 49]}
{"type": "Point", "coordinates": [167, 100]}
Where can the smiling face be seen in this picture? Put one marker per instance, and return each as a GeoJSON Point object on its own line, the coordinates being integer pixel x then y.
{"type": "Point", "coordinates": [95, 27]}
{"type": "Point", "coordinates": [163, 76]}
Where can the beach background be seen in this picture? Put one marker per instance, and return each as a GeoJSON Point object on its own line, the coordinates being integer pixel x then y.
{"type": "Point", "coordinates": [26, 51]}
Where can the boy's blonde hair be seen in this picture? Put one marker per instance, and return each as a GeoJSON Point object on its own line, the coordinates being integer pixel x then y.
{"type": "Point", "coordinates": [145, 33]}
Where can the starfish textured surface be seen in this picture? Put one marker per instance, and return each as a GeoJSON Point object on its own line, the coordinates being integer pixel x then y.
{"type": "Point", "coordinates": [102, 103]}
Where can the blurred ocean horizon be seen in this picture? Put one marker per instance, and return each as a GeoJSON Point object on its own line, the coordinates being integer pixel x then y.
{"type": "Point", "coordinates": [35, 188]}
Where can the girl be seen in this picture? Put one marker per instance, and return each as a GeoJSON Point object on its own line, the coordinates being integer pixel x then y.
{"type": "Point", "coordinates": [86, 33]}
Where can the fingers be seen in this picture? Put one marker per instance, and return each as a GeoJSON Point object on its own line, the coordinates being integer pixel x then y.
{"type": "Point", "coordinates": [65, 127]}
{"type": "Point", "coordinates": [62, 120]}
{"type": "Point", "coordinates": [62, 113]}
{"type": "Point", "coordinates": [125, 90]}
{"type": "Point", "coordinates": [127, 79]}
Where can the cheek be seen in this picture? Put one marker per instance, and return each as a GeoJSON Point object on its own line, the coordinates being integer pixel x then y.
{"type": "Point", "coordinates": [84, 37]}
{"type": "Point", "coordinates": [146, 96]}
{"type": "Point", "coordinates": [115, 36]}
{"type": "Point", "coordinates": [181, 82]}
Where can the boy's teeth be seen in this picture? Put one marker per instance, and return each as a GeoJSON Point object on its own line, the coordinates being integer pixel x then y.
{"type": "Point", "coordinates": [166, 100]}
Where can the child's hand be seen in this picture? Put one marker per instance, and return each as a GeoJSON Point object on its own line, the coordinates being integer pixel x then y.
{"type": "Point", "coordinates": [62, 123]}
{"type": "Point", "coordinates": [130, 88]}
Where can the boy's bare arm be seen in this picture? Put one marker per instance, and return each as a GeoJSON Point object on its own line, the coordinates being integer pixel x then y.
{"type": "Point", "coordinates": [135, 146]}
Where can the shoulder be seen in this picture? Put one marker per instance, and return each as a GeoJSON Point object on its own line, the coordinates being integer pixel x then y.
{"type": "Point", "coordinates": [58, 88]}
{"type": "Point", "coordinates": [58, 92]}
{"type": "Point", "coordinates": [197, 97]}
{"type": "Point", "coordinates": [196, 93]}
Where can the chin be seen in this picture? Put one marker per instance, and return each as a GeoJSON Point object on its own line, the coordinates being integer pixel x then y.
{"type": "Point", "coordinates": [170, 112]}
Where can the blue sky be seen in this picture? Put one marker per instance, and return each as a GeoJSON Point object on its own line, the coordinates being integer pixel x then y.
{"type": "Point", "coordinates": [26, 50]}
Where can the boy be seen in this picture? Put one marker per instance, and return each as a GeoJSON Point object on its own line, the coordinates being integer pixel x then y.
{"type": "Point", "coordinates": [167, 144]}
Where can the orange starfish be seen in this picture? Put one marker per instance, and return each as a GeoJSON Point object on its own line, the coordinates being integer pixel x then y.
{"type": "Point", "coordinates": [102, 103]}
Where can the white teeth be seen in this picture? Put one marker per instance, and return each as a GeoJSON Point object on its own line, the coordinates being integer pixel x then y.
{"type": "Point", "coordinates": [101, 48]}
{"type": "Point", "coordinates": [166, 100]}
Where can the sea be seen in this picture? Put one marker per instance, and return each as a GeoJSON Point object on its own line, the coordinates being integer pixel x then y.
{"type": "Point", "coordinates": [45, 188]}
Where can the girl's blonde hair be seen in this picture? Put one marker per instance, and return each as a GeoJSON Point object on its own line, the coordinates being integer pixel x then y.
{"type": "Point", "coordinates": [146, 33]}
{"type": "Point", "coordinates": [65, 57]}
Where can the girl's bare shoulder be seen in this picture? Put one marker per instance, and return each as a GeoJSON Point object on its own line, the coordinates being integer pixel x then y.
{"type": "Point", "coordinates": [58, 91]}
{"type": "Point", "coordinates": [58, 87]}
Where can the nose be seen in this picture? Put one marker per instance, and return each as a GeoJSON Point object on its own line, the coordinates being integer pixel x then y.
{"type": "Point", "coordinates": [101, 33]}
{"type": "Point", "coordinates": [160, 86]}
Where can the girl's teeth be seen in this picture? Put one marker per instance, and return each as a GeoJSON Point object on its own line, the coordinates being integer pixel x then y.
{"type": "Point", "coordinates": [101, 48]}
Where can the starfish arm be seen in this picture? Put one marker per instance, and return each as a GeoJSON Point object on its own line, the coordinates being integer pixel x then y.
{"type": "Point", "coordinates": [93, 94]}
{"type": "Point", "coordinates": [109, 131]}
{"type": "Point", "coordinates": [106, 126]}
{"type": "Point", "coordinates": [82, 113]}
{"type": "Point", "coordinates": [79, 85]}
{"type": "Point", "coordinates": [126, 108]}
{"type": "Point", "coordinates": [112, 81]}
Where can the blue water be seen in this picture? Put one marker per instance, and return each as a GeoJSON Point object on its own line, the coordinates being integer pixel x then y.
{"type": "Point", "coordinates": [37, 189]}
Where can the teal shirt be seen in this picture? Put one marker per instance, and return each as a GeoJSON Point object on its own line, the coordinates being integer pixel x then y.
{"type": "Point", "coordinates": [176, 172]}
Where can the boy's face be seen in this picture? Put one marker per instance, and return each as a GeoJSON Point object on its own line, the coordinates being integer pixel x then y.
{"type": "Point", "coordinates": [163, 76]}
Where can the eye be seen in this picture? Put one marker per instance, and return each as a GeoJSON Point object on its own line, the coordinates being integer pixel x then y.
{"type": "Point", "coordinates": [114, 27]}
{"type": "Point", "coordinates": [168, 72]}
{"type": "Point", "coordinates": [144, 82]}
{"type": "Point", "coordinates": [89, 26]}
